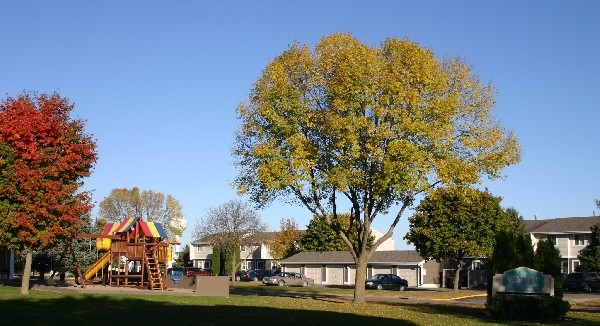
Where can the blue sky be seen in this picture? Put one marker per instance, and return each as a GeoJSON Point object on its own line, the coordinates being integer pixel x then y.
{"type": "Point", "coordinates": [158, 83]}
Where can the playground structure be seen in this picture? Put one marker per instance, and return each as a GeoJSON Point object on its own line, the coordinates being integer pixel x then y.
{"type": "Point", "coordinates": [134, 253]}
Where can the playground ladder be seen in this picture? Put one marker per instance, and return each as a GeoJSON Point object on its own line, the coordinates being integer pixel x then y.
{"type": "Point", "coordinates": [155, 278]}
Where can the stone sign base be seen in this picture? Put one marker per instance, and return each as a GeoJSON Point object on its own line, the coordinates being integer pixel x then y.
{"type": "Point", "coordinates": [202, 285]}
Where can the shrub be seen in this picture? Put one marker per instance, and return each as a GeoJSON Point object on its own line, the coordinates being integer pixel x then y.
{"type": "Point", "coordinates": [527, 307]}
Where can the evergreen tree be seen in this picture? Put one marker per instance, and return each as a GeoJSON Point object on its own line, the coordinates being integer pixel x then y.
{"type": "Point", "coordinates": [229, 254]}
{"type": "Point", "coordinates": [42, 262]}
{"type": "Point", "coordinates": [512, 248]}
{"type": "Point", "coordinates": [183, 259]}
{"type": "Point", "coordinates": [215, 265]}
{"type": "Point", "coordinates": [589, 257]}
{"type": "Point", "coordinates": [524, 251]}
{"type": "Point", "coordinates": [547, 260]}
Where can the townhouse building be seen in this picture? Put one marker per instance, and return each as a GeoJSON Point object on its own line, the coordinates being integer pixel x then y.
{"type": "Point", "coordinates": [568, 234]}
{"type": "Point", "coordinates": [254, 252]}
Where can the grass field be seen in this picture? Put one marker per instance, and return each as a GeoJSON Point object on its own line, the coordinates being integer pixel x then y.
{"type": "Point", "coordinates": [49, 308]}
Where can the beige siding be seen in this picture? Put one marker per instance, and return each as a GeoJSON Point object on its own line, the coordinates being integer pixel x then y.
{"type": "Point", "coordinates": [562, 243]}
{"type": "Point", "coordinates": [432, 274]}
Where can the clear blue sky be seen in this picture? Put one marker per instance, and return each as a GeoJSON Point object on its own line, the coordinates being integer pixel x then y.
{"type": "Point", "coordinates": [158, 83]}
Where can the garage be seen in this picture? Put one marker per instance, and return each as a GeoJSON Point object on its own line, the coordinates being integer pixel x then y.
{"type": "Point", "coordinates": [409, 274]}
{"type": "Point", "coordinates": [314, 272]}
{"type": "Point", "coordinates": [338, 267]}
{"type": "Point", "coordinates": [335, 275]}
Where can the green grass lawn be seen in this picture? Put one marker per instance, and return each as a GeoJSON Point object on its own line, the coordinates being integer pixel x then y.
{"type": "Point", "coordinates": [50, 308]}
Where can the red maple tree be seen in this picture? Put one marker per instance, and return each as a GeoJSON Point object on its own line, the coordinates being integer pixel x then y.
{"type": "Point", "coordinates": [44, 156]}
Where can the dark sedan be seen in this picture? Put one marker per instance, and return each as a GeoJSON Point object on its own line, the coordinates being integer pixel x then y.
{"type": "Point", "coordinates": [386, 281]}
{"type": "Point", "coordinates": [583, 281]}
{"type": "Point", "coordinates": [254, 275]}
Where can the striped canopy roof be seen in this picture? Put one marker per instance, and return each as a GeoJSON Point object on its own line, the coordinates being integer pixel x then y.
{"type": "Point", "coordinates": [149, 229]}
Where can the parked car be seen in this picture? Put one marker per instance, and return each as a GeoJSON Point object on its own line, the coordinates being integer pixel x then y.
{"type": "Point", "coordinates": [386, 281]}
{"type": "Point", "coordinates": [174, 271]}
{"type": "Point", "coordinates": [583, 281]}
{"type": "Point", "coordinates": [285, 278]}
{"type": "Point", "coordinates": [254, 275]}
{"type": "Point", "coordinates": [238, 275]}
{"type": "Point", "coordinates": [197, 271]}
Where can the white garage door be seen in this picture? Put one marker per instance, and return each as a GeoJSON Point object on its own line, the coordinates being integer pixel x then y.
{"type": "Point", "coordinates": [292, 268]}
{"type": "Point", "coordinates": [314, 272]}
{"type": "Point", "coordinates": [335, 275]}
{"type": "Point", "coordinates": [381, 270]}
{"type": "Point", "coordinates": [409, 274]}
{"type": "Point", "coordinates": [351, 275]}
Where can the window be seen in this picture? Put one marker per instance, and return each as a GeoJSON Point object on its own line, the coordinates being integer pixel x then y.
{"type": "Point", "coordinates": [243, 248]}
{"type": "Point", "coordinates": [575, 264]}
{"type": "Point", "coordinates": [579, 240]}
{"type": "Point", "coordinates": [552, 238]}
{"type": "Point", "coordinates": [206, 264]}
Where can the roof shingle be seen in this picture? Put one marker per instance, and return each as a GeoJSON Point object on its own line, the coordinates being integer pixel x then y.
{"type": "Point", "coordinates": [562, 225]}
{"type": "Point", "coordinates": [344, 257]}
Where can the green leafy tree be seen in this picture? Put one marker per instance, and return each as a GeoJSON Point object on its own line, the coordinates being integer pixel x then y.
{"type": "Point", "coordinates": [47, 154]}
{"type": "Point", "coordinates": [148, 205]}
{"type": "Point", "coordinates": [285, 242]}
{"type": "Point", "coordinates": [322, 236]}
{"type": "Point", "coordinates": [226, 225]}
{"type": "Point", "coordinates": [456, 222]}
{"type": "Point", "coordinates": [365, 130]}
{"type": "Point", "coordinates": [548, 260]}
{"type": "Point", "coordinates": [589, 257]}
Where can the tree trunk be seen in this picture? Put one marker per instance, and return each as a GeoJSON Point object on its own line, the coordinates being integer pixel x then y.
{"type": "Point", "coordinates": [26, 272]}
{"type": "Point", "coordinates": [233, 265]}
{"type": "Point", "coordinates": [456, 278]}
{"type": "Point", "coordinates": [359, 279]}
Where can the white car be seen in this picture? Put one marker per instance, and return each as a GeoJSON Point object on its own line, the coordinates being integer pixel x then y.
{"type": "Point", "coordinates": [290, 279]}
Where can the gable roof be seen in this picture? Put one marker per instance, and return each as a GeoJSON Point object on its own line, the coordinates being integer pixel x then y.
{"type": "Point", "coordinates": [562, 225]}
{"type": "Point", "coordinates": [255, 238]}
{"type": "Point", "coordinates": [344, 257]}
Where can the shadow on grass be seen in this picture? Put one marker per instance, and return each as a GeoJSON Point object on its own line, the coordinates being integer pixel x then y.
{"type": "Point", "coordinates": [46, 309]}
{"type": "Point", "coordinates": [110, 310]}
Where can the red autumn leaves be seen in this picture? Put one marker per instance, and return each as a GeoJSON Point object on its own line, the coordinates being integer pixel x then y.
{"type": "Point", "coordinates": [44, 156]}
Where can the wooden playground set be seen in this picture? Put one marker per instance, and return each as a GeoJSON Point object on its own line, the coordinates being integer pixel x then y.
{"type": "Point", "coordinates": [133, 253]}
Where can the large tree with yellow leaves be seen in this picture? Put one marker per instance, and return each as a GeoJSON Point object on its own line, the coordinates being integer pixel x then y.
{"type": "Point", "coordinates": [348, 127]}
